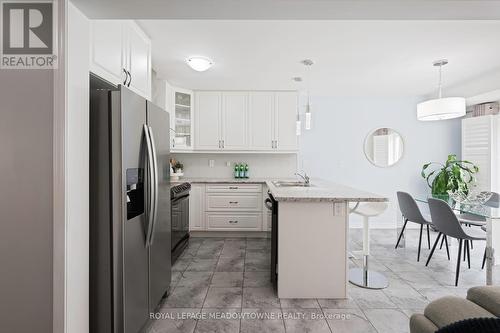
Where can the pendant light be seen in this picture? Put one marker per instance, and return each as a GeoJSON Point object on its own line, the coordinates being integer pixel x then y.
{"type": "Point", "coordinates": [441, 108]}
{"type": "Point", "coordinates": [298, 124]}
{"type": "Point", "coordinates": [308, 63]}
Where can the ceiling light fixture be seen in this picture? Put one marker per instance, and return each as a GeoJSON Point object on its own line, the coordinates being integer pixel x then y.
{"type": "Point", "coordinates": [199, 64]}
{"type": "Point", "coordinates": [298, 124]}
{"type": "Point", "coordinates": [441, 108]}
{"type": "Point", "coordinates": [308, 63]}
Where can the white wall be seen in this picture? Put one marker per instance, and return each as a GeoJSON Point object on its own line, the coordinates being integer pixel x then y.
{"type": "Point", "coordinates": [77, 166]}
{"type": "Point", "coordinates": [333, 148]}
{"type": "Point", "coordinates": [261, 165]}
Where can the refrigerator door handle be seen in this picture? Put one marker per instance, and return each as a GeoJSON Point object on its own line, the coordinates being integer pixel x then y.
{"type": "Point", "coordinates": [155, 185]}
{"type": "Point", "coordinates": [150, 187]}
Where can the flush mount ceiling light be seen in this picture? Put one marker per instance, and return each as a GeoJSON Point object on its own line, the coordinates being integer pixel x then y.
{"type": "Point", "coordinates": [441, 108]}
{"type": "Point", "coordinates": [199, 64]}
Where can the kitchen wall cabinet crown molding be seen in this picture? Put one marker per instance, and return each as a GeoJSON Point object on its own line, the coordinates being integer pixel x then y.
{"type": "Point", "coordinates": [256, 121]}
{"type": "Point", "coordinates": [120, 52]}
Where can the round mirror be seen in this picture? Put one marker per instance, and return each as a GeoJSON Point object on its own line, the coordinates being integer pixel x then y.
{"type": "Point", "coordinates": [384, 147]}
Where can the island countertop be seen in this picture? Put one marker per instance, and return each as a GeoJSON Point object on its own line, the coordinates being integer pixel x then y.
{"type": "Point", "coordinates": [322, 191]}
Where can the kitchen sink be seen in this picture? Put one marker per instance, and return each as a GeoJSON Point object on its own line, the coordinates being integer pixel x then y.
{"type": "Point", "coordinates": [291, 184]}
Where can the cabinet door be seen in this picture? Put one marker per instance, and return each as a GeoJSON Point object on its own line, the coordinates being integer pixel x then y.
{"type": "Point", "coordinates": [261, 119]}
{"type": "Point", "coordinates": [235, 120]}
{"type": "Point", "coordinates": [106, 50]}
{"type": "Point", "coordinates": [139, 60]}
{"type": "Point", "coordinates": [285, 117]}
{"type": "Point", "coordinates": [182, 119]}
{"type": "Point", "coordinates": [478, 147]}
{"type": "Point", "coordinates": [207, 120]}
{"type": "Point", "coordinates": [197, 207]}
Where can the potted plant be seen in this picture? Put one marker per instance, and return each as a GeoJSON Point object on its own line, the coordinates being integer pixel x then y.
{"type": "Point", "coordinates": [452, 176]}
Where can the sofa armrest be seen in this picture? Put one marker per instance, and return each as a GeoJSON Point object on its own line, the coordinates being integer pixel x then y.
{"type": "Point", "coordinates": [487, 297]}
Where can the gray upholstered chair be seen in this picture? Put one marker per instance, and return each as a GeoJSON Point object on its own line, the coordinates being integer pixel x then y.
{"type": "Point", "coordinates": [447, 223]}
{"type": "Point", "coordinates": [411, 213]}
{"type": "Point", "coordinates": [481, 302]}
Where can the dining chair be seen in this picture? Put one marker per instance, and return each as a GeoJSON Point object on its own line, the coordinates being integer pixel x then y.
{"type": "Point", "coordinates": [472, 220]}
{"type": "Point", "coordinates": [411, 213]}
{"type": "Point", "coordinates": [448, 224]}
{"type": "Point", "coordinates": [479, 221]}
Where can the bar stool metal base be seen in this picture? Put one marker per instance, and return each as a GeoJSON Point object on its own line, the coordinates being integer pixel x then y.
{"type": "Point", "coordinates": [364, 278]}
{"type": "Point", "coordinates": [367, 279]}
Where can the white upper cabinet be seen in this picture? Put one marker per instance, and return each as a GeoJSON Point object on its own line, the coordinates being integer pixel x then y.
{"type": "Point", "coordinates": [107, 58]}
{"type": "Point", "coordinates": [181, 119]}
{"type": "Point", "coordinates": [207, 120]}
{"type": "Point", "coordinates": [285, 120]}
{"type": "Point", "coordinates": [138, 59]}
{"type": "Point", "coordinates": [120, 52]}
{"type": "Point", "coordinates": [234, 120]}
{"type": "Point", "coordinates": [245, 121]}
{"type": "Point", "coordinates": [261, 116]}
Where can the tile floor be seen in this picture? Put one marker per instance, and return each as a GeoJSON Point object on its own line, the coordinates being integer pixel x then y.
{"type": "Point", "coordinates": [229, 278]}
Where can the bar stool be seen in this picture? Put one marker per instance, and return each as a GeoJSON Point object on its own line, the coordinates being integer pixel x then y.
{"type": "Point", "coordinates": [363, 277]}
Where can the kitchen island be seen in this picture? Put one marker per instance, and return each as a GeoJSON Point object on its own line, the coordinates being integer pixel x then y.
{"type": "Point", "coordinates": [312, 236]}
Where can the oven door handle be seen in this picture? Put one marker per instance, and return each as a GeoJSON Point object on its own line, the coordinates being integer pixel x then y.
{"type": "Point", "coordinates": [180, 198]}
{"type": "Point", "coordinates": [269, 204]}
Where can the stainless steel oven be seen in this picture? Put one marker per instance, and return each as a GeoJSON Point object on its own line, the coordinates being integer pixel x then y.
{"type": "Point", "coordinates": [179, 195]}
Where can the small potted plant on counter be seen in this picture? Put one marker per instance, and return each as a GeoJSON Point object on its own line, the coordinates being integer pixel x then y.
{"type": "Point", "coordinates": [176, 169]}
{"type": "Point", "coordinates": [452, 176]}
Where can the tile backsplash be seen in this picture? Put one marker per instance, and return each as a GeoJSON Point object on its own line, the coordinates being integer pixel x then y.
{"type": "Point", "coordinates": [261, 165]}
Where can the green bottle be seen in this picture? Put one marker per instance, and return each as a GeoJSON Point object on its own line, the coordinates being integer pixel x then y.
{"type": "Point", "coordinates": [246, 171]}
{"type": "Point", "coordinates": [242, 171]}
{"type": "Point", "coordinates": [236, 170]}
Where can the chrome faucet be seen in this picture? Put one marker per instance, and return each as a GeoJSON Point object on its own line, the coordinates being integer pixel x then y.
{"type": "Point", "coordinates": [305, 177]}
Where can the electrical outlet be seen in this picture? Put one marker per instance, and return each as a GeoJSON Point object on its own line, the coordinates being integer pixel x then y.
{"type": "Point", "coordinates": [211, 163]}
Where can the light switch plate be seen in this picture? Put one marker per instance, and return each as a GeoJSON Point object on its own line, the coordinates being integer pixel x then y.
{"type": "Point", "coordinates": [228, 164]}
{"type": "Point", "coordinates": [211, 163]}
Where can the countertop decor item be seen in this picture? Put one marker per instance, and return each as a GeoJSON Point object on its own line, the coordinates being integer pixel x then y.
{"type": "Point", "coordinates": [453, 175]}
{"type": "Point", "coordinates": [177, 169]}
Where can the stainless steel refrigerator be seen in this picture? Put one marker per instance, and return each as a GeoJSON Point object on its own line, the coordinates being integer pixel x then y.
{"type": "Point", "coordinates": [130, 237]}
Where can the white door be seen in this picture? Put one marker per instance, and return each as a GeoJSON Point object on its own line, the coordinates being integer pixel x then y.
{"type": "Point", "coordinates": [107, 59]}
{"type": "Point", "coordinates": [207, 120]}
{"type": "Point", "coordinates": [196, 207]}
{"type": "Point", "coordinates": [235, 120]}
{"type": "Point", "coordinates": [478, 148]}
{"type": "Point", "coordinates": [261, 120]}
{"type": "Point", "coordinates": [139, 60]}
{"type": "Point", "coordinates": [285, 118]}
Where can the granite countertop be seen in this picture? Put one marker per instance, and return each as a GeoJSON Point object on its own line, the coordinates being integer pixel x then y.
{"type": "Point", "coordinates": [323, 191]}
{"type": "Point", "coordinates": [210, 180]}
{"type": "Point", "coordinates": [319, 191]}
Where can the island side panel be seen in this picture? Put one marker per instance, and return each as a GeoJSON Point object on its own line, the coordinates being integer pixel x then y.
{"type": "Point", "coordinates": [312, 250]}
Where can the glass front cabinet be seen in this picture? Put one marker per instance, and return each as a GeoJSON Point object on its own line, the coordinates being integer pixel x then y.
{"type": "Point", "coordinates": [181, 122]}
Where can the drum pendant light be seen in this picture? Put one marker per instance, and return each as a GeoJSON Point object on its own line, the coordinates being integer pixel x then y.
{"type": "Point", "coordinates": [441, 108]}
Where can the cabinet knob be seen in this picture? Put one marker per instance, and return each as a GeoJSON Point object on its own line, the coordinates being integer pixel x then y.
{"type": "Point", "coordinates": [233, 202]}
{"type": "Point", "coordinates": [233, 222]}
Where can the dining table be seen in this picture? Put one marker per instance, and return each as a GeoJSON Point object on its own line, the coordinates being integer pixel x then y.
{"type": "Point", "coordinates": [491, 216]}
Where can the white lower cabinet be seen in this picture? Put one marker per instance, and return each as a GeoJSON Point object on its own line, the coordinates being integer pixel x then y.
{"type": "Point", "coordinates": [232, 221]}
{"type": "Point", "coordinates": [226, 207]}
{"type": "Point", "coordinates": [197, 207]}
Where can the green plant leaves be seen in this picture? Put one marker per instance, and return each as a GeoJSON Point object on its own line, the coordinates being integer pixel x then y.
{"type": "Point", "coordinates": [454, 175]}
